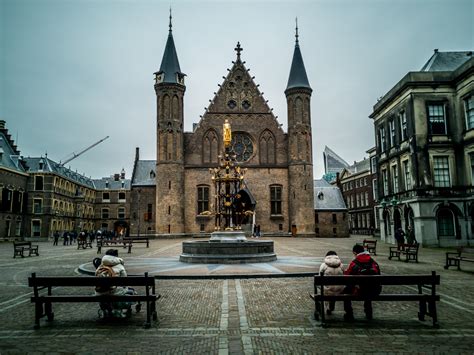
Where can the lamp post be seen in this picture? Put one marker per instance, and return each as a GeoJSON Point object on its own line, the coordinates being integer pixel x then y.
{"type": "Point", "coordinates": [138, 212]}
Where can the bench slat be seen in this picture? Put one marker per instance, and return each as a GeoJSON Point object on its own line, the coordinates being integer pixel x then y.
{"type": "Point", "coordinates": [42, 281]}
{"type": "Point", "coordinates": [93, 298]}
{"type": "Point", "coordinates": [382, 297]}
{"type": "Point", "coordinates": [377, 280]}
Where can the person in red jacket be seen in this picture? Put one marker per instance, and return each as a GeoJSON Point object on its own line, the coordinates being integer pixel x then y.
{"type": "Point", "coordinates": [362, 264]}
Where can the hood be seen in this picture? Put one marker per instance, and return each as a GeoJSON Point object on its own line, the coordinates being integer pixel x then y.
{"type": "Point", "coordinates": [363, 257]}
{"type": "Point", "coordinates": [110, 260]}
{"type": "Point", "coordinates": [332, 261]}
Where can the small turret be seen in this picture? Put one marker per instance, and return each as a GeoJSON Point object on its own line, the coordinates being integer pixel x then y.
{"type": "Point", "coordinates": [170, 72]}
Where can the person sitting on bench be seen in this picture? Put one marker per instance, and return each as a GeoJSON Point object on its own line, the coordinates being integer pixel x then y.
{"type": "Point", "coordinates": [112, 266]}
{"type": "Point", "coordinates": [362, 264]}
{"type": "Point", "coordinates": [331, 266]}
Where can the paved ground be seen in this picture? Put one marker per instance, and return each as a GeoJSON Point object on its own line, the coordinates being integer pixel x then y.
{"type": "Point", "coordinates": [243, 316]}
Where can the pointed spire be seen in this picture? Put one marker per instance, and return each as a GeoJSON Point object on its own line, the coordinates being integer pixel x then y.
{"type": "Point", "coordinates": [296, 35]}
{"type": "Point", "coordinates": [298, 77]}
{"type": "Point", "coordinates": [169, 68]}
{"type": "Point", "coordinates": [171, 25]}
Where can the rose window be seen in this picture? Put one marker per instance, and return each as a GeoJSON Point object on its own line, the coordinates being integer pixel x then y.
{"type": "Point", "coordinates": [242, 146]}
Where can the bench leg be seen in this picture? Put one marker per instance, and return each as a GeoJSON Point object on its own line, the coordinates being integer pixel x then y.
{"type": "Point", "coordinates": [49, 311]}
{"type": "Point", "coordinates": [148, 317]}
{"type": "Point", "coordinates": [422, 311]}
{"type": "Point", "coordinates": [433, 313]}
{"type": "Point", "coordinates": [38, 314]}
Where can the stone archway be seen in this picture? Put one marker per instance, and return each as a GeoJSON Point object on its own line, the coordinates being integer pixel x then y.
{"type": "Point", "coordinates": [121, 229]}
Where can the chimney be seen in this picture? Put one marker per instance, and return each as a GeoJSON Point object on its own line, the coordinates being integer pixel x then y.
{"type": "Point", "coordinates": [116, 177]}
{"type": "Point", "coordinates": [137, 153]}
{"type": "Point", "coordinates": [122, 174]}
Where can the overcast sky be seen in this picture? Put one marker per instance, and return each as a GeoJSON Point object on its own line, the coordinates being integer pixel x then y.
{"type": "Point", "coordinates": [73, 72]}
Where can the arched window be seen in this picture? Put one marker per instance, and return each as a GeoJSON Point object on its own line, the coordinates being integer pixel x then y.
{"type": "Point", "coordinates": [445, 221]}
{"type": "Point", "coordinates": [210, 147]}
{"type": "Point", "coordinates": [298, 109]}
{"type": "Point", "coordinates": [267, 148]}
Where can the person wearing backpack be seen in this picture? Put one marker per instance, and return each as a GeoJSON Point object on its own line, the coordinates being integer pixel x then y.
{"type": "Point", "coordinates": [362, 264]}
{"type": "Point", "coordinates": [112, 266]}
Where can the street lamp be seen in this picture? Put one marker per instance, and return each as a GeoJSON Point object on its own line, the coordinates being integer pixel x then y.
{"type": "Point", "coordinates": [138, 212]}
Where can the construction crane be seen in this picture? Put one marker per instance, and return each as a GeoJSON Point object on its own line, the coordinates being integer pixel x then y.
{"type": "Point", "coordinates": [75, 155]}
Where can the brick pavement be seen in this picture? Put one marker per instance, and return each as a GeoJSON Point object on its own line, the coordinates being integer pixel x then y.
{"type": "Point", "coordinates": [242, 316]}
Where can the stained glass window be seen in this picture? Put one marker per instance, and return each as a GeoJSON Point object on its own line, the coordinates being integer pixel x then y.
{"type": "Point", "coordinates": [242, 146]}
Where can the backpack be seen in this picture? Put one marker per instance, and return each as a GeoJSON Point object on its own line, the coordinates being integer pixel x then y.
{"type": "Point", "coordinates": [104, 271]}
{"type": "Point", "coordinates": [369, 268]}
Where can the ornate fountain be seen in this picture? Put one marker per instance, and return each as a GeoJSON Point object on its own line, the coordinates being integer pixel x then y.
{"type": "Point", "coordinates": [228, 243]}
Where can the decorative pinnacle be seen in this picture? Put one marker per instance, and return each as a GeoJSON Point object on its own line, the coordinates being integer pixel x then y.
{"type": "Point", "coordinates": [296, 35]}
{"type": "Point", "coordinates": [238, 49]}
{"type": "Point", "coordinates": [171, 25]}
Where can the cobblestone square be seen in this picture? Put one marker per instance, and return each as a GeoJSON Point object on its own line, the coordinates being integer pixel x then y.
{"type": "Point", "coordinates": [233, 316]}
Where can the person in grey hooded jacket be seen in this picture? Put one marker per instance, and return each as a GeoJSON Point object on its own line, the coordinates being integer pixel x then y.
{"type": "Point", "coordinates": [331, 266]}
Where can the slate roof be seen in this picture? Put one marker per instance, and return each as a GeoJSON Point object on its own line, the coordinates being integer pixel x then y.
{"type": "Point", "coordinates": [141, 173]}
{"type": "Point", "coordinates": [170, 63]}
{"type": "Point", "coordinates": [327, 197]}
{"type": "Point", "coordinates": [298, 77]}
{"type": "Point", "coordinates": [53, 167]}
{"type": "Point", "coordinates": [10, 158]}
{"type": "Point", "coordinates": [446, 61]}
{"type": "Point", "coordinates": [100, 184]}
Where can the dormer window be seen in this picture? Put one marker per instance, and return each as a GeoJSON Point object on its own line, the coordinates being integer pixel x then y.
{"type": "Point", "coordinates": [320, 195]}
{"type": "Point", "coordinates": [152, 174]}
{"type": "Point", "coordinates": [41, 165]}
{"type": "Point", "coordinates": [159, 78]}
{"type": "Point", "coordinates": [123, 184]}
{"type": "Point", "coordinates": [107, 184]}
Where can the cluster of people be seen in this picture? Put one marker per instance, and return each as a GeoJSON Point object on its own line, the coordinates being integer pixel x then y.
{"type": "Point", "coordinates": [362, 264]}
{"type": "Point", "coordinates": [71, 237]}
{"type": "Point", "coordinates": [400, 236]}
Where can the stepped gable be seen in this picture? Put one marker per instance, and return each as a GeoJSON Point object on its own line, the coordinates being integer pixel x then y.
{"type": "Point", "coordinates": [238, 94]}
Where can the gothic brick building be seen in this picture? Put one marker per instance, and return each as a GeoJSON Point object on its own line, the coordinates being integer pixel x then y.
{"type": "Point", "coordinates": [279, 177]}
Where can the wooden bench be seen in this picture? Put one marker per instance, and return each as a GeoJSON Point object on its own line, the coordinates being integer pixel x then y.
{"type": "Point", "coordinates": [410, 251]}
{"type": "Point", "coordinates": [43, 303]}
{"type": "Point", "coordinates": [84, 244]}
{"type": "Point", "coordinates": [427, 301]}
{"type": "Point", "coordinates": [463, 254]}
{"type": "Point", "coordinates": [108, 243]}
{"type": "Point", "coordinates": [19, 249]}
{"type": "Point", "coordinates": [138, 240]}
{"type": "Point", "coordinates": [370, 245]}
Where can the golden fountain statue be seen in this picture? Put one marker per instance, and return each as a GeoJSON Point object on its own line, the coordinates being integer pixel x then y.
{"type": "Point", "coordinates": [228, 181]}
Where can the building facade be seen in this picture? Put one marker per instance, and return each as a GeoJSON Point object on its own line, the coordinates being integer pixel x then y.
{"type": "Point", "coordinates": [424, 128]}
{"type": "Point", "coordinates": [356, 184]}
{"type": "Point", "coordinates": [279, 176]}
{"type": "Point", "coordinates": [112, 204]}
{"type": "Point", "coordinates": [13, 182]}
{"type": "Point", "coordinates": [58, 199]}
{"type": "Point", "coordinates": [330, 211]}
